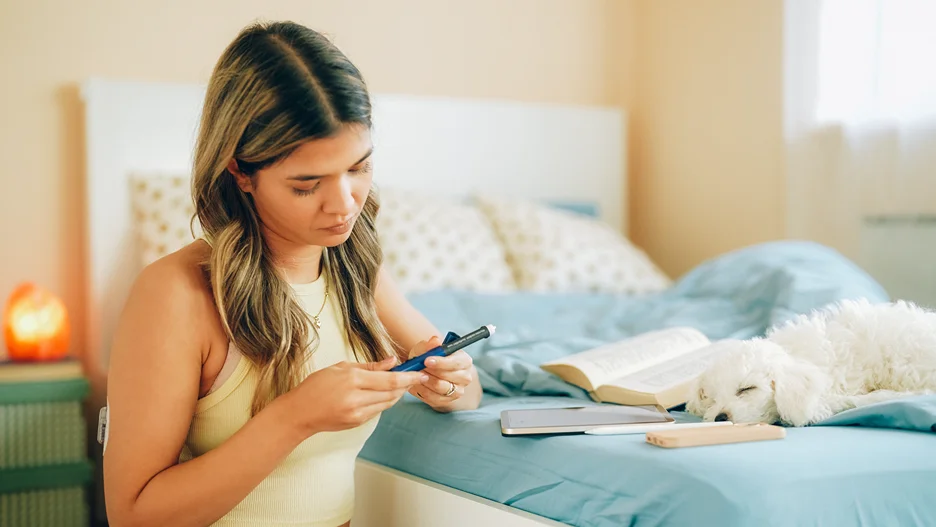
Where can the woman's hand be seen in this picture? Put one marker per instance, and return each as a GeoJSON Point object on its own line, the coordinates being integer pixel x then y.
{"type": "Point", "coordinates": [407, 326]}
{"type": "Point", "coordinates": [346, 395]}
{"type": "Point", "coordinates": [448, 377]}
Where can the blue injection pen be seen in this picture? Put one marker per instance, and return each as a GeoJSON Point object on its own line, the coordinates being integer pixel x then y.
{"type": "Point", "coordinates": [451, 344]}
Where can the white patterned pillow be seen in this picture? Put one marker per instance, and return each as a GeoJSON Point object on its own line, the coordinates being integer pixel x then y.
{"type": "Point", "coordinates": [433, 243]}
{"type": "Point", "coordinates": [162, 209]}
{"type": "Point", "coordinates": [552, 250]}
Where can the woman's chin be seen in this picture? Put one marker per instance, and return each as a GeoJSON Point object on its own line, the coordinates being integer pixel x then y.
{"type": "Point", "coordinates": [332, 240]}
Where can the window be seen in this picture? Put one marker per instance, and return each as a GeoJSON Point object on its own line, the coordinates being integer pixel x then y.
{"type": "Point", "coordinates": [875, 62]}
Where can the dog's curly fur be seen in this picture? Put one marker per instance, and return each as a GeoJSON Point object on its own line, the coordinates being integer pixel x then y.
{"type": "Point", "coordinates": [850, 354]}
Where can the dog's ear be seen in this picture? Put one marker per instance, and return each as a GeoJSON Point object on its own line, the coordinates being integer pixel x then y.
{"type": "Point", "coordinates": [799, 392]}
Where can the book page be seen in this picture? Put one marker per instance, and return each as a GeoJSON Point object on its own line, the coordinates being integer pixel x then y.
{"type": "Point", "coordinates": [619, 359]}
{"type": "Point", "coordinates": [670, 373]}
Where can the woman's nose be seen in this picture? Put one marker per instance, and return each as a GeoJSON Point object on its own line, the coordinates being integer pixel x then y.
{"type": "Point", "coordinates": [340, 198]}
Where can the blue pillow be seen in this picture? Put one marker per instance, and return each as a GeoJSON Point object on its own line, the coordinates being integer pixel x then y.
{"type": "Point", "coordinates": [580, 207]}
{"type": "Point", "coordinates": [585, 208]}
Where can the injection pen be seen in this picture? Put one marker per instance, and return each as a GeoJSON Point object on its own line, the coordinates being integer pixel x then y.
{"type": "Point", "coordinates": [419, 362]}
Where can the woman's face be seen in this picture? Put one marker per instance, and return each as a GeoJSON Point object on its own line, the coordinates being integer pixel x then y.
{"type": "Point", "coordinates": [314, 196]}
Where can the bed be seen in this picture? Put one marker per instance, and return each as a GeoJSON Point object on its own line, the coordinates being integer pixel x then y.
{"type": "Point", "coordinates": [534, 186]}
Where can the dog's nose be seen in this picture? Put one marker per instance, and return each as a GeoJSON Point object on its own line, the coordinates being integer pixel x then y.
{"type": "Point", "coordinates": [721, 417]}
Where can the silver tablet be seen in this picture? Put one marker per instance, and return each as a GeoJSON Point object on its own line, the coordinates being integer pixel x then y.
{"type": "Point", "coordinates": [577, 420]}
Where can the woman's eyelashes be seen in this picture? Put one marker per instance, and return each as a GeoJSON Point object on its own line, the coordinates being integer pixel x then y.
{"type": "Point", "coordinates": [305, 191]}
{"type": "Point", "coordinates": [362, 169]}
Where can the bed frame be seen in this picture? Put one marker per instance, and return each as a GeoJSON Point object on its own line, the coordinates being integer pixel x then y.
{"type": "Point", "coordinates": [450, 147]}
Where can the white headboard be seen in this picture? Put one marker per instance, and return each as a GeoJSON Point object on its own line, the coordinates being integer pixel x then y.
{"type": "Point", "coordinates": [445, 146]}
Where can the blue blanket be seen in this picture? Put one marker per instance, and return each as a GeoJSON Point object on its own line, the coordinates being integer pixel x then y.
{"type": "Point", "coordinates": [872, 470]}
{"type": "Point", "coordinates": [736, 295]}
{"type": "Point", "coordinates": [910, 413]}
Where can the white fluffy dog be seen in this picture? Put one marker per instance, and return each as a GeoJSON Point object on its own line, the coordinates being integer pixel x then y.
{"type": "Point", "coordinates": [848, 355]}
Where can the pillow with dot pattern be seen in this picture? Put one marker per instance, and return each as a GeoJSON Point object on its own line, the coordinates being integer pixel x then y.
{"type": "Point", "coordinates": [162, 208]}
{"type": "Point", "coordinates": [435, 243]}
{"type": "Point", "coordinates": [554, 250]}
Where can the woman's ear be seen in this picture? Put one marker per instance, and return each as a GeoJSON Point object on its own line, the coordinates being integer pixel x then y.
{"type": "Point", "coordinates": [799, 392]}
{"type": "Point", "coordinates": [243, 181]}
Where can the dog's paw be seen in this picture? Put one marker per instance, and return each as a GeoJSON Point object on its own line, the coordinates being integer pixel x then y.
{"type": "Point", "coordinates": [800, 393]}
{"type": "Point", "coordinates": [805, 418]}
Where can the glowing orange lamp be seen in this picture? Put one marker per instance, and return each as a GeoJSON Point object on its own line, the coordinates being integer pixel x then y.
{"type": "Point", "coordinates": [35, 326]}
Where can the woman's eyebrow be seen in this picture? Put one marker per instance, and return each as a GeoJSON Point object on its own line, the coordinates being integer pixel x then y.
{"type": "Point", "coordinates": [305, 177]}
{"type": "Point", "coordinates": [365, 156]}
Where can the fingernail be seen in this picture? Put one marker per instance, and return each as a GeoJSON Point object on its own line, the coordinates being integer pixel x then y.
{"type": "Point", "coordinates": [423, 378]}
{"type": "Point", "coordinates": [430, 361]}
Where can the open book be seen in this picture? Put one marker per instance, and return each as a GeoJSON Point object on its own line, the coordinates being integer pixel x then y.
{"type": "Point", "coordinates": [650, 368]}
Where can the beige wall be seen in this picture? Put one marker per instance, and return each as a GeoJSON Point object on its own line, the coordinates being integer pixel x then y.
{"type": "Point", "coordinates": [706, 137]}
{"type": "Point", "coordinates": [701, 81]}
{"type": "Point", "coordinates": [539, 50]}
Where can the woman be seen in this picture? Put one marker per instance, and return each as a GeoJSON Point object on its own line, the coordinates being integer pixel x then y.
{"type": "Point", "coordinates": [249, 367]}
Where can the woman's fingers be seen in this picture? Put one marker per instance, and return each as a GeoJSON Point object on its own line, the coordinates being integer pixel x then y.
{"type": "Point", "coordinates": [442, 381]}
{"type": "Point", "coordinates": [432, 397]}
{"type": "Point", "coordinates": [454, 362]}
{"type": "Point", "coordinates": [425, 345]}
{"type": "Point", "coordinates": [383, 365]}
{"type": "Point", "coordinates": [388, 380]}
{"type": "Point", "coordinates": [442, 385]}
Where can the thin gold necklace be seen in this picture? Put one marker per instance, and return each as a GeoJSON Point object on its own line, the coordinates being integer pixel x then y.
{"type": "Point", "coordinates": [315, 318]}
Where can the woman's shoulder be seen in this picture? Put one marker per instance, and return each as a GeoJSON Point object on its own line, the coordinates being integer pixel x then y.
{"type": "Point", "coordinates": [178, 277]}
{"type": "Point", "coordinates": [174, 293]}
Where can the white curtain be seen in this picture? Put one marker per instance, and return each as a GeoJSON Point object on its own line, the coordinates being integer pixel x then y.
{"type": "Point", "coordinates": [860, 128]}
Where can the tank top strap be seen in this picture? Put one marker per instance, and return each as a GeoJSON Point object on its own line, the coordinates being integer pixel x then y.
{"type": "Point", "coordinates": [235, 370]}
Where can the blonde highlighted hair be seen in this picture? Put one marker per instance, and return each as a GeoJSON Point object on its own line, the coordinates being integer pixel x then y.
{"type": "Point", "coordinates": [275, 87]}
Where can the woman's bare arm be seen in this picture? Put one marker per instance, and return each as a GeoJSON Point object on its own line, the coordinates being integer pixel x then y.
{"type": "Point", "coordinates": [155, 369]}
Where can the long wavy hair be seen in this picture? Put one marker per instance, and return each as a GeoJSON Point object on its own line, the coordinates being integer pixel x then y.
{"type": "Point", "coordinates": [275, 87]}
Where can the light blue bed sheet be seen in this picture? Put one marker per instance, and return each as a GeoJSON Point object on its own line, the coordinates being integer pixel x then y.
{"type": "Point", "coordinates": [818, 476]}
{"type": "Point", "coordinates": [824, 475]}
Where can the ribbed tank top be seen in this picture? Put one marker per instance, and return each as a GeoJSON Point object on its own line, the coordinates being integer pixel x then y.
{"type": "Point", "coordinates": [314, 485]}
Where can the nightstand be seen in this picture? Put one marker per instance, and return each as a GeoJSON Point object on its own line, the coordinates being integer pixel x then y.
{"type": "Point", "coordinates": [44, 469]}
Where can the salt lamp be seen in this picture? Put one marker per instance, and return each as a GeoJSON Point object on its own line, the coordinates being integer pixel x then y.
{"type": "Point", "coordinates": [35, 326]}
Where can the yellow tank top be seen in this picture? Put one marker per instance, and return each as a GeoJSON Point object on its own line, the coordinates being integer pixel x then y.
{"type": "Point", "coordinates": [314, 485]}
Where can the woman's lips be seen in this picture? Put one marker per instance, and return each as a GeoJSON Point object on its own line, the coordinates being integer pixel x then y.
{"type": "Point", "coordinates": [340, 228]}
